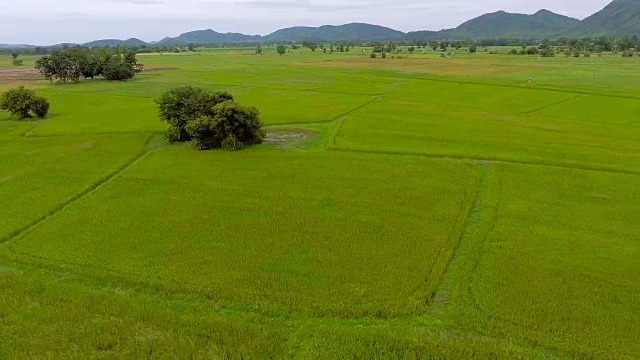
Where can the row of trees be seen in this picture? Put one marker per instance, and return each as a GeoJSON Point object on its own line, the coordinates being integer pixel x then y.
{"type": "Point", "coordinates": [605, 43]}
{"type": "Point", "coordinates": [210, 119]}
{"type": "Point", "coordinates": [73, 64]}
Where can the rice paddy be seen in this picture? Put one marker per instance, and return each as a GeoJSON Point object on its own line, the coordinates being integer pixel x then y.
{"type": "Point", "coordinates": [400, 208]}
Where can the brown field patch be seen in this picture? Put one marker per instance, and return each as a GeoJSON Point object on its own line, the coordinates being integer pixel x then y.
{"type": "Point", "coordinates": [427, 66]}
{"type": "Point", "coordinates": [15, 76]}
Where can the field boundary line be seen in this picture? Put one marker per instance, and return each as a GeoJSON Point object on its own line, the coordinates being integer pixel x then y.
{"type": "Point", "coordinates": [28, 131]}
{"type": "Point", "coordinates": [328, 121]}
{"type": "Point", "coordinates": [569, 91]}
{"type": "Point", "coordinates": [464, 247]}
{"type": "Point", "coordinates": [552, 105]}
{"type": "Point", "coordinates": [79, 196]}
{"type": "Point", "coordinates": [340, 119]}
{"type": "Point", "coordinates": [451, 157]}
{"type": "Point", "coordinates": [359, 107]}
{"type": "Point", "coordinates": [143, 132]}
{"type": "Point", "coordinates": [305, 90]}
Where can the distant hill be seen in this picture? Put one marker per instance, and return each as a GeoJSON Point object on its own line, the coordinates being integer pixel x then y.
{"type": "Point", "coordinates": [348, 32]}
{"type": "Point", "coordinates": [208, 37]}
{"type": "Point", "coordinates": [507, 25]}
{"type": "Point", "coordinates": [16, 46]}
{"type": "Point", "coordinates": [620, 17]}
{"type": "Point", "coordinates": [115, 42]}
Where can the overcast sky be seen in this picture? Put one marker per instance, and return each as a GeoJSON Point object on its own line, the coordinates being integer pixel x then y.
{"type": "Point", "coordinates": [44, 22]}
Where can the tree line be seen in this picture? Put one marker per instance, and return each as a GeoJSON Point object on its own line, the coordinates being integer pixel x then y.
{"type": "Point", "coordinates": [593, 44]}
{"type": "Point", "coordinates": [74, 64]}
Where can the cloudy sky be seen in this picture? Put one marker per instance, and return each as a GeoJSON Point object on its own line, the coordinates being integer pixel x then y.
{"type": "Point", "coordinates": [45, 22]}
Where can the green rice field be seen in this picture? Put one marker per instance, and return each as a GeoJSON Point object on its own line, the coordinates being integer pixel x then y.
{"type": "Point", "coordinates": [405, 208]}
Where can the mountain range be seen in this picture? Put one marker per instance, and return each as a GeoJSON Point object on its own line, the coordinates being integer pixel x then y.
{"type": "Point", "coordinates": [619, 18]}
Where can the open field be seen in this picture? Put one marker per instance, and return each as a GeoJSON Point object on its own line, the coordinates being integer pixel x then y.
{"type": "Point", "coordinates": [401, 208]}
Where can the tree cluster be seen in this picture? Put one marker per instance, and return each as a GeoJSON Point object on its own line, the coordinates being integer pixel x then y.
{"type": "Point", "coordinates": [24, 103]}
{"type": "Point", "coordinates": [14, 59]}
{"type": "Point", "coordinates": [73, 64]}
{"type": "Point", "coordinates": [212, 120]}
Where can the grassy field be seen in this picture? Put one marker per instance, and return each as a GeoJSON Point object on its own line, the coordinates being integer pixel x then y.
{"type": "Point", "coordinates": [401, 208]}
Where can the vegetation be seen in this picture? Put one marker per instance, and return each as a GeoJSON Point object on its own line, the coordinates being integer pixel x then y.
{"type": "Point", "coordinates": [76, 63]}
{"type": "Point", "coordinates": [417, 209]}
{"type": "Point", "coordinates": [24, 103]}
{"type": "Point", "coordinates": [212, 119]}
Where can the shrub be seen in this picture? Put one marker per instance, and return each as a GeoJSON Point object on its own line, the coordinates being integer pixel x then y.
{"type": "Point", "coordinates": [627, 54]}
{"type": "Point", "coordinates": [547, 52]}
{"type": "Point", "coordinates": [373, 55]}
{"type": "Point", "coordinates": [18, 102]}
{"type": "Point", "coordinates": [384, 55]}
{"type": "Point", "coordinates": [180, 105]}
{"type": "Point", "coordinates": [17, 62]}
{"type": "Point", "coordinates": [117, 71]}
{"type": "Point", "coordinates": [40, 106]}
{"type": "Point", "coordinates": [232, 127]}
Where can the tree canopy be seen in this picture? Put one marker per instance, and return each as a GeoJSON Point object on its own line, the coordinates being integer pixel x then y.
{"type": "Point", "coordinates": [24, 103]}
{"type": "Point", "coordinates": [75, 63]}
{"type": "Point", "coordinates": [210, 119]}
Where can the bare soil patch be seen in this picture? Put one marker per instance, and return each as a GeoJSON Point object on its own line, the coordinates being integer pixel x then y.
{"type": "Point", "coordinates": [13, 76]}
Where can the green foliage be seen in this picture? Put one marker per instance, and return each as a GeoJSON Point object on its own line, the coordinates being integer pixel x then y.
{"type": "Point", "coordinates": [40, 106]}
{"type": "Point", "coordinates": [281, 49]}
{"type": "Point", "coordinates": [211, 119]}
{"type": "Point", "coordinates": [18, 102]}
{"type": "Point", "coordinates": [373, 55]}
{"type": "Point", "coordinates": [117, 71]}
{"type": "Point", "coordinates": [178, 106]}
{"type": "Point", "coordinates": [74, 63]}
{"type": "Point", "coordinates": [627, 54]}
{"type": "Point", "coordinates": [548, 52]}
{"type": "Point", "coordinates": [532, 50]}
{"type": "Point", "coordinates": [232, 127]}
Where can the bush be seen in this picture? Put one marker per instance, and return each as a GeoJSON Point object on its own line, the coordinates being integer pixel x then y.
{"type": "Point", "coordinates": [211, 119]}
{"type": "Point", "coordinates": [181, 105]}
{"type": "Point", "coordinates": [548, 52]}
{"type": "Point", "coordinates": [23, 103]}
{"type": "Point", "coordinates": [627, 54]}
{"type": "Point", "coordinates": [18, 102]}
{"type": "Point", "coordinates": [373, 55]}
{"type": "Point", "coordinates": [384, 55]}
{"type": "Point", "coordinates": [17, 62]}
{"type": "Point", "coordinates": [40, 107]}
{"type": "Point", "coordinates": [232, 127]}
{"type": "Point", "coordinates": [117, 71]}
